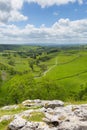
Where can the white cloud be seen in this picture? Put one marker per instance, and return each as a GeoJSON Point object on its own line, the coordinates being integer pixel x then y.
{"type": "Point", "coordinates": [80, 1]}
{"type": "Point", "coordinates": [63, 31]}
{"type": "Point", "coordinates": [16, 16]}
{"type": "Point", "coordinates": [46, 3]}
{"type": "Point", "coordinates": [10, 11]}
{"type": "Point", "coordinates": [17, 4]}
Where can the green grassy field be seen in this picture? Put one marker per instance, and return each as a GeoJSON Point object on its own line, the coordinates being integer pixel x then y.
{"type": "Point", "coordinates": [43, 72]}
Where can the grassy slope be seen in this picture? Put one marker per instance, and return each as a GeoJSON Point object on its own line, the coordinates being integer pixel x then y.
{"type": "Point", "coordinates": [72, 76]}
{"type": "Point", "coordinates": [68, 69]}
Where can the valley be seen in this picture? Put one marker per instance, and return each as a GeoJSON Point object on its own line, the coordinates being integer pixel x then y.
{"type": "Point", "coordinates": [44, 72]}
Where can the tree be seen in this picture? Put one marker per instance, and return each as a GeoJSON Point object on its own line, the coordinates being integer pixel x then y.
{"type": "Point", "coordinates": [11, 62]}
{"type": "Point", "coordinates": [31, 63]}
{"type": "Point", "coordinates": [43, 67]}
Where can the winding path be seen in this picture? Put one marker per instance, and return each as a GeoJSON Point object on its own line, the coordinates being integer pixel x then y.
{"type": "Point", "coordinates": [56, 62]}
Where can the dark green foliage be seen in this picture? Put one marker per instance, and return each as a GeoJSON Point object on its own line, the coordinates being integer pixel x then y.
{"type": "Point", "coordinates": [83, 93]}
{"type": "Point", "coordinates": [43, 67]}
{"type": "Point", "coordinates": [44, 58]}
{"type": "Point", "coordinates": [31, 63]}
{"type": "Point", "coordinates": [20, 88]}
{"type": "Point", "coordinates": [11, 62]}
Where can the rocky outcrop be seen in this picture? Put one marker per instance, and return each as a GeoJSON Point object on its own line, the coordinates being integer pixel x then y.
{"type": "Point", "coordinates": [56, 116]}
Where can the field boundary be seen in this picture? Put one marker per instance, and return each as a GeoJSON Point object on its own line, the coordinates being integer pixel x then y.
{"type": "Point", "coordinates": [74, 75]}
{"type": "Point", "coordinates": [70, 60]}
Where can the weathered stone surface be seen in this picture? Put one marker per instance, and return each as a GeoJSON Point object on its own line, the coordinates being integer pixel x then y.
{"type": "Point", "coordinates": [5, 117]}
{"type": "Point", "coordinates": [53, 104]}
{"type": "Point", "coordinates": [51, 120]}
{"type": "Point", "coordinates": [9, 107]}
{"type": "Point", "coordinates": [32, 103]}
{"type": "Point", "coordinates": [30, 126]}
{"type": "Point", "coordinates": [83, 125]}
{"type": "Point", "coordinates": [44, 103]}
{"type": "Point", "coordinates": [57, 116]}
{"type": "Point", "coordinates": [17, 123]}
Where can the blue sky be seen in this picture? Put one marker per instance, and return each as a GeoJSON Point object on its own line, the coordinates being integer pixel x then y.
{"type": "Point", "coordinates": [42, 21]}
{"type": "Point", "coordinates": [50, 15]}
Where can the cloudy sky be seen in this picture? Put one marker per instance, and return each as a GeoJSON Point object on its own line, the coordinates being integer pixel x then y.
{"type": "Point", "coordinates": [43, 21]}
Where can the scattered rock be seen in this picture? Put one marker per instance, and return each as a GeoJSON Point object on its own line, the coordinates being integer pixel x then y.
{"type": "Point", "coordinates": [17, 123]}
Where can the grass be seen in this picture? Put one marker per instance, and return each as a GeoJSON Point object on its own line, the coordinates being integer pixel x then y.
{"type": "Point", "coordinates": [68, 69]}
{"type": "Point", "coordinates": [13, 111]}
{"type": "Point", "coordinates": [73, 102]}
{"type": "Point", "coordinates": [4, 124]}
{"type": "Point", "coordinates": [36, 117]}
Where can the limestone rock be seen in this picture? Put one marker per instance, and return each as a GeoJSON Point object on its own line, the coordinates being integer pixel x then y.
{"type": "Point", "coordinates": [30, 126]}
{"type": "Point", "coordinates": [9, 107]}
{"type": "Point", "coordinates": [32, 103]}
{"type": "Point", "coordinates": [17, 123]}
{"type": "Point", "coordinates": [57, 116]}
{"type": "Point", "coordinates": [53, 104]}
{"type": "Point", "coordinates": [5, 117]}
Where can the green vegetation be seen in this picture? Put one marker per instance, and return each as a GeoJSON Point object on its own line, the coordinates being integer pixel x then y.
{"type": "Point", "coordinates": [13, 111]}
{"type": "Point", "coordinates": [36, 117]}
{"type": "Point", "coordinates": [4, 125]}
{"type": "Point", "coordinates": [30, 72]}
